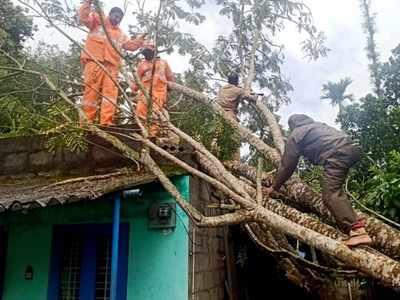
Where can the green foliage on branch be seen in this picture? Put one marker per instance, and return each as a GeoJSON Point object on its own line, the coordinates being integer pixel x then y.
{"type": "Point", "coordinates": [15, 26]}
{"type": "Point", "coordinates": [203, 125]}
{"type": "Point", "coordinates": [383, 189]}
{"type": "Point", "coordinates": [29, 106]}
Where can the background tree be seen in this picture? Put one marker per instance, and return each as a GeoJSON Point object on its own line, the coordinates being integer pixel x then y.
{"type": "Point", "coordinates": [15, 26]}
{"type": "Point", "coordinates": [391, 79]}
{"type": "Point", "coordinates": [375, 123]}
{"type": "Point", "coordinates": [336, 92]}
{"type": "Point", "coordinates": [382, 188]}
{"type": "Point", "coordinates": [15, 29]}
{"type": "Point", "coordinates": [251, 49]}
{"type": "Point", "coordinates": [369, 27]}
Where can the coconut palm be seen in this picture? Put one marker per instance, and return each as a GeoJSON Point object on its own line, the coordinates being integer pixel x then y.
{"type": "Point", "coordinates": [336, 92]}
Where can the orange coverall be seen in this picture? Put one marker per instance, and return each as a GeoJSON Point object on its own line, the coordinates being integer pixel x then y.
{"type": "Point", "coordinates": [98, 84]}
{"type": "Point", "coordinates": [162, 74]}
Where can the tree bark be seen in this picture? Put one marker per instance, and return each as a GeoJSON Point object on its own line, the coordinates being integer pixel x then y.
{"type": "Point", "coordinates": [273, 125]}
{"type": "Point", "coordinates": [385, 238]}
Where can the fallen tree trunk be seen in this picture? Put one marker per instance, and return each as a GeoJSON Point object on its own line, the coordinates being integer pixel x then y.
{"type": "Point", "coordinates": [276, 209]}
{"type": "Point", "coordinates": [373, 264]}
{"type": "Point", "coordinates": [385, 238]}
{"type": "Point", "coordinates": [280, 207]}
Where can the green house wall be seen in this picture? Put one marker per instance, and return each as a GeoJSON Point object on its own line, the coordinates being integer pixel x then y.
{"type": "Point", "coordinates": [158, 259]}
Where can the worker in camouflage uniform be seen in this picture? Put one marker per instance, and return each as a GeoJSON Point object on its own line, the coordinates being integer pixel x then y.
{"type": "Point", "coordinates": [229, 97]}
{"type": "Point", "coordinates": [335, 151]}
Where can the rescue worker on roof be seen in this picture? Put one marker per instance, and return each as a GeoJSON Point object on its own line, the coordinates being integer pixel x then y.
{"type": "Point", "coordinates": [99, 85]}
{"type": "Point", "coordinates": [159, 90]}
{"type": "Point", "coordinates": [229, 97]}
{"type": "Point", "coordinates": [335, 151]}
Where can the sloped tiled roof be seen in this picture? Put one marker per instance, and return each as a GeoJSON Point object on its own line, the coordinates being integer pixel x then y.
{"type": "Point", "coordinates": [29, 194]}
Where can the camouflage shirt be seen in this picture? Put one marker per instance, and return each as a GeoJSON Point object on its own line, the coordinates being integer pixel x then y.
{"type": "Point", "coordinates": [229, 96]}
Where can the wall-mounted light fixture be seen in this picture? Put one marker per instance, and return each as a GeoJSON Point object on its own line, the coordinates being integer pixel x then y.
{"type": "Point", "coordinates": [28, 275]}
{"type": "Point", "coordinates": [132, 193]}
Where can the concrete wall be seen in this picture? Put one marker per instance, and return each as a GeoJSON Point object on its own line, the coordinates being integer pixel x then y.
{"type": "Point", "coordinates": [27, 156]}
{"type": "Point", "coordinates": [27, 245]}
{"type": "Point", "coordinates": [159, 267]}
{"type": "Point", "coordinates": [207, 259]}
{"type": "Point", "coordinates": [30, 156]}
{"type": "Point", "coordinates": [158, 260]}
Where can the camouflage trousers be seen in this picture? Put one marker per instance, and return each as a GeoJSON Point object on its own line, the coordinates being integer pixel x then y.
{"type": "Point", "coordinates": [236, 154]}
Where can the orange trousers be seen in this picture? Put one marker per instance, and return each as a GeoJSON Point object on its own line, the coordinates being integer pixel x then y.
{"type": "Point", "coordinates": [99, 86]}
{"type": "Point", "coordinates": [159, 99]}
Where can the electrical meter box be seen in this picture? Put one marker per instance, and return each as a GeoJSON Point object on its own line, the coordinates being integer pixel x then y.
{"type": "Point", "coordinates": [162, 216]}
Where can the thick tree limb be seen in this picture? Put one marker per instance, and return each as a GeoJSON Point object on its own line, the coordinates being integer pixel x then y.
{"type": "Point", "coordinates": [373, 264]}
{"type": "Point", "coordinates": [259, 180]}
{"type": "Point", "coordinates": [273, 125]}
{"type": "Point", "coordinates": [385, 238]}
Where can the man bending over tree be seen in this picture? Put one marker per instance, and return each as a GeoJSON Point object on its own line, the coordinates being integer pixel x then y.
{"type": "Point", "coordinates": [335, 151]}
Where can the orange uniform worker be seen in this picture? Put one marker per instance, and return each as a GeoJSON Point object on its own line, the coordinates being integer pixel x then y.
{"type": "Point", "coordinates": [97, 82]}
{"type": "Point", "coordinates": [162, 74]}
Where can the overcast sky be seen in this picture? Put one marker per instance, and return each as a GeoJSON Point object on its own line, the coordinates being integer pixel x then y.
{"type": "Point", "coordinates": [340, 20]}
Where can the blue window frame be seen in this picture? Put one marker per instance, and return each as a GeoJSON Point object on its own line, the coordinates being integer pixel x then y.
{"type": "Point", "coordinates": [81, 262]}
{"type": "Point", "coordinates": [3, 253]}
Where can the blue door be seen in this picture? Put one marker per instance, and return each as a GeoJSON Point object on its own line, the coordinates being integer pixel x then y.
{"type": "Point", "coordinates": [81, 262]}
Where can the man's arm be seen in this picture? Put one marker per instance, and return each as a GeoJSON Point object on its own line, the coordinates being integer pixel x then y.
{"type": "Point", "coordinates": [289, 162]}
{"type": "Point", "coordinates": [134, 43]}
{"type": "Point", "coordinates": [240, 93]}
{"type": "Point", "coordinates": [244, 95]}
{"type": "Point", "coordinates": [168, 73]}
{"type": "Point", "coordinates": [88, 17]}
